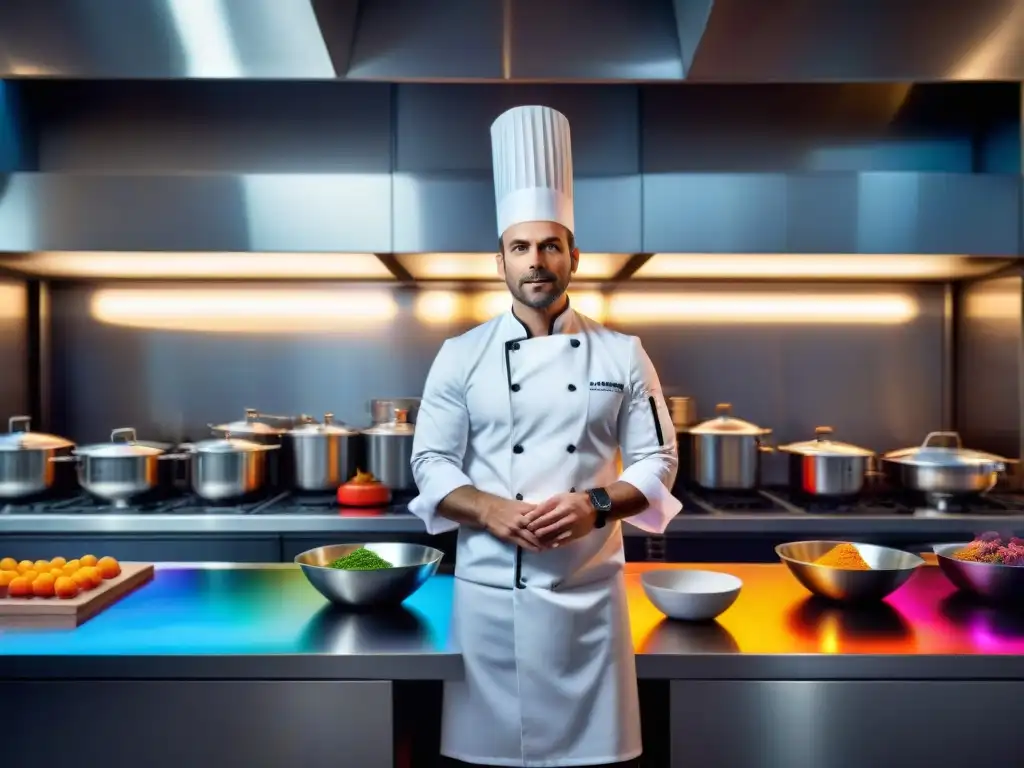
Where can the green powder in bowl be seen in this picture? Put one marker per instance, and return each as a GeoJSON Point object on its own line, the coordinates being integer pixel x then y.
{"type": "Point", "coordinates": [361, 560]}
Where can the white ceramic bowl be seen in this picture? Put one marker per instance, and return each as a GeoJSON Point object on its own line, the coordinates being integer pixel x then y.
{"type": "Point", "coordinates": [691, 595]}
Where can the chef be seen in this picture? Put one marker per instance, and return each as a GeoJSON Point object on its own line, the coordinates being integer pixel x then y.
{"type": "Point", "coordinates": [518, 437]}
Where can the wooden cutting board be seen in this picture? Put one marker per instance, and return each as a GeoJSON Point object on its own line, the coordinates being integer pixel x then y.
{"type": "Point", "coordinates": [54, 613]}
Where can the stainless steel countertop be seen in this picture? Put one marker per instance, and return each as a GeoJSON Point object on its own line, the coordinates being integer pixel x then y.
{"type": "Point", "coordinates": [222, 621]}
{"type": "Point", "coordinates": [399, 522]}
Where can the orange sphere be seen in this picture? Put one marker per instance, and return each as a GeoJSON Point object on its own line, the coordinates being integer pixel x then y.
{"type": "Point", "coordinates": [20, 587]}
{"type": "Point", "coordinates": [108, 567]}
{"type": "Point", "coordinates": [65, 588]}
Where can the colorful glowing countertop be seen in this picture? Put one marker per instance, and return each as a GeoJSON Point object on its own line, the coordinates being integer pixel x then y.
{"type": "Point", "coordinates": [268, 622]}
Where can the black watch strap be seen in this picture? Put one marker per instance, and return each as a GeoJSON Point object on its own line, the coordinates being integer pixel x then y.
{"type": "Point", "coordinates": [602, 505]}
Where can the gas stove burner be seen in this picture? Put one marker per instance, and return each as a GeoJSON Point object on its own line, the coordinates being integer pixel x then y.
{"type": "Point", "coordinates": [714, 502]}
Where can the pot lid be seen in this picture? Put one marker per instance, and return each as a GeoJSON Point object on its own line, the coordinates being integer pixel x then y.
{"type": "Point", "coordinates": [400, 426]}
{"type": "Point", "coordinates": [309, 427]}
{"type": "Point", "coordinates": [226, 444]}
{"type": "Point", "coordinates": [20, 437]}
{"type": "Point", "coordinates": [931, 453]}
{"type": "Point", "coordinates": [122, 443]}
{"type": "Point", "coordinates": [725, 424]}
{"type": "Point", "coordinates": [251, 425]}
{"type": "Point", "coordinates": [822, 445]}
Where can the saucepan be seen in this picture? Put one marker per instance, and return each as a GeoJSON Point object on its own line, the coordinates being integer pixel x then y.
{"type": "Point", "coordinates": [120, 470]}
{"type": "Point", "coordinates": [942, 467]}
{"type": "Point", "coordinates": [826, 467]}
{"type": "Point", "coordinates": [727, 452]}
{"type": "Point", "coordinates": [228, 467]}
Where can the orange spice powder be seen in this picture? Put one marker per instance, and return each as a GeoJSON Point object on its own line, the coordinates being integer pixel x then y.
{"type": "Point", "coordinates": [843, 556]}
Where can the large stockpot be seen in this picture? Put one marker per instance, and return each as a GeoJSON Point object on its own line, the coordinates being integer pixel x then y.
{"type": "Point", "coordinates": [943, 467]}
{"type": "Point", "coordinates": [120, 470]}
{"type": "Point", "coordinates": [323, 455]}
{"type": "Point", "coordinates": [389, 452]}
{"type": "Point", "coordinates": [25, 466]}
{"type": "Point", "coordinates": [826, 467]}
{"type": "Point", "coordinates": [727, 452]}
{"type": "Point", "coordinates": [228, 467]}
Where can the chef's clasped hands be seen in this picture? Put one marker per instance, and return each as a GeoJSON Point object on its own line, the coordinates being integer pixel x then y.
{"type": "Point", "coordinates": [547, 525]}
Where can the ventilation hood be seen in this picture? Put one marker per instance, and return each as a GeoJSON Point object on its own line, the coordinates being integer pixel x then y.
{"type": "Point", "coordinates": [748, 41]}
{"type": "Point", "coordinates": [724, 213]}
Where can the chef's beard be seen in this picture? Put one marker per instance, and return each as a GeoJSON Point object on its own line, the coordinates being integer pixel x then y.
{"type": "Point", "coordinates": [518, 289]}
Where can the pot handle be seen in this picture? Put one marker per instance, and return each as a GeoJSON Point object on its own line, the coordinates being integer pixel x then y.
{"type": "Point", "coordinates": [19, 424]}
{"type": "Point", "coordinates": [65, 459]}
{"type": "Point", "coordinates": [955, 436]}
{"type": "Point", "coordinates": [123, 435]}
{"type": "Point", "coordinates": [174, 456]}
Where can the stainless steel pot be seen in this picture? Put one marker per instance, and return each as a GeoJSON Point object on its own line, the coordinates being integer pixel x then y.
{"type": "Point", "coordinates": [228, 467]}
{"type": "Point", "coordinates": [382, 410]}
{"type": "Point", "coordinates": [120, 470]}
{"type": "Point", "coordinates": [825, 467]}
{"type": "Point", "coordinates": [389, 452]}
{"type": "Point", "coordinates": [941, 466]}
{"type": "Point", "coordinates": [323, 455]}
{"type": "Point", "coordinates": [727, 452]}
{"type": "Point", "coordinates": [25, 466]}
{"type": "Point", "coordinates": [684, 416]}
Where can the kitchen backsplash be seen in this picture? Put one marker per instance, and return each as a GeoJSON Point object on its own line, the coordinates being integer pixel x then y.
{"type": "Point", "coordinates": [168, 359]}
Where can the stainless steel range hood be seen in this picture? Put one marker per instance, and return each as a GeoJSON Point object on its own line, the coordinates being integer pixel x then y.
{"type": "Point", "coordinates": [163, 39]}
{"type": "Point", "coordinates": [816, 213]}
{"type": "Point", "coordinates": [519, 40]}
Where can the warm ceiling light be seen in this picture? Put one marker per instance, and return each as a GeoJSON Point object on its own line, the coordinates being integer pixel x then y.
{"type": "Point", "coordinates": [813, 266]}
{"type": "Point", "coordinates": [243, 310]}
{"type": "Point", "coordinates": [160, 265]}
{"type": "Point", "coordinates": [762, 308]}
{"type": "Point", "coordinates": [481, 266]}
{"type": "Point", "coordinates": [13, 301]}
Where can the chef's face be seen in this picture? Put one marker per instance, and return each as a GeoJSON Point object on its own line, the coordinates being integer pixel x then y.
{"type": "Point", "coordinates": [537, 260]}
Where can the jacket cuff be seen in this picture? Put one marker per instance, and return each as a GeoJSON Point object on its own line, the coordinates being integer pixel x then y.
{"type": "Point", "coordinates": [662, 506]}
{"type": "Point", "coordinates": [441, 479]}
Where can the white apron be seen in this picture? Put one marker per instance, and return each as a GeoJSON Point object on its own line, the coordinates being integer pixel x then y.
{"type": "Point", "coordinates": [550, 678]}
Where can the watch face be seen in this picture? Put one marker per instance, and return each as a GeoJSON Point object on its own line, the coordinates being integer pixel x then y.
{"type": "Point", "coordinates": [601, 500]}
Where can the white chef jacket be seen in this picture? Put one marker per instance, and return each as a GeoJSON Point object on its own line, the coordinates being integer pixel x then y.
{"type": "Point", "coordinates": [550, 678]}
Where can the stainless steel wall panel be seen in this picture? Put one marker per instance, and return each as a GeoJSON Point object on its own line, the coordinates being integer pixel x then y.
{"type": "Point", "coordinates": [244, 212]}
{"type": "Point", "coordinates": [121, 39]}
{"type": "Point", "coordinates": [832, 213]}
{"type": "Point", "coordinates": [711, 213]}
{"type": "Point", "coordinates": [990, 366]}
{"type": "Point", "coordinates": [816, 127]}
{"type": "Point", "coordinates": [211, 127]}
{"type": "Point", "coordinates": [428, 40]}
{"type": "Point", "coordinates": [451, 213]}
{"type": "Point", "coordinates": [175, 382]}
{"type": "Point", "coordinates": [584, 40]}
{"type": "Point", "coordinates": [444, 213]}
{"type": "Point", "coordinates": [447, 128]}
{"type": "Point", "coordinates": [15, 142]}
{"type": "Point", "coordinates": [14, 394]}
{"type": "Point", "coordinates": [879, 385]}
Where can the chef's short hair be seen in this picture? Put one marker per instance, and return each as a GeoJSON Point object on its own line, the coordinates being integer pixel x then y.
{"type": "Point", "coordinates": [570, 240]}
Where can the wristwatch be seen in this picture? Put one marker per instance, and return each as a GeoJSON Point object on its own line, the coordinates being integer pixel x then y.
{"type": "Point", "coordinates": [602, 505]}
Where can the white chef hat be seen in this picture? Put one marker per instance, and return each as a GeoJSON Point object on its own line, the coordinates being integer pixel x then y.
{"type": "Point", "coordinates": [532, 157]}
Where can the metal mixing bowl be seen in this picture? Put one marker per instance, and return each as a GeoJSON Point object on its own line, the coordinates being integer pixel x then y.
{"type": "Point", "coordinates": [890, 570]}
{"type": "Point", "coordinates": [991, 582]}
{"type": "Point", "coordinates": [413, 565]}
